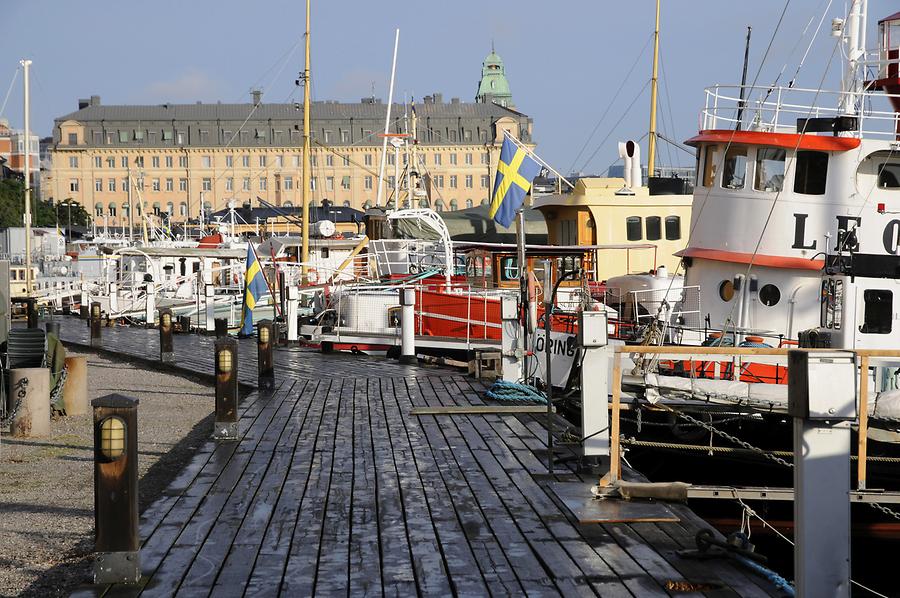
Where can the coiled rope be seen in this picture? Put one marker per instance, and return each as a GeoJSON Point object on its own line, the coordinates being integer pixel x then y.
{"type": "Point", "coordinates": [505, 391]}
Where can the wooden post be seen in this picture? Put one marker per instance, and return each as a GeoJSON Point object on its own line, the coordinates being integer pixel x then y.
{"type": "Point", "coordinates": [226, 418]}
{"type": "Point", "coordinates": [265, 354]}
{"type": "Point", "coordinates": [116, 539]}
{"type": "Point", "coordinates": [615, 447]}
{"type": "Point", "coordinates": [166, 345]}
{"type": "Point", "coordinates": [75, 395]}
{"type": "Point", "coordinates": [863, 421]}
{"type": "Point", "coordinates": [29, 402]}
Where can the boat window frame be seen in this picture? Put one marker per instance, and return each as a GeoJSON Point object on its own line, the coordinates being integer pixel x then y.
{"type": "Point", "coordinates": [759, 168]}
{"type": "Point", "coordinates": [800, 161]}
{"type": "Point", "coordinates": [876, 312]}
{"type": "Point", "coordinates": [736, 151]}
{"type": "Point", "coordinates": [709, 173]}
{"type": "Point", "coordinates": [656, 233]}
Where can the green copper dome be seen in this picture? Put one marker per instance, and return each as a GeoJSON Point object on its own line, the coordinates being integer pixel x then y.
{"type": "Point", "coordinates": [493, 87]}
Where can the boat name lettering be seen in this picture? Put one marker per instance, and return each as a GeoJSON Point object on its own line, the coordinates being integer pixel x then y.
{"type": "Point", "coordinates": [557, 345]}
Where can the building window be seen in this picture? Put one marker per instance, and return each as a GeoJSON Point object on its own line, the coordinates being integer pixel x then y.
{"type": "Point", "coordinates": [204, 137]}
{"type": "Point", "coordinates": [112, 209]}
{"type": "Point", "coordinates": [138, 135]}
{"type": "Point", "coordinates": [154, 162]}
{"type": "Point", "coordinates": [673, 228]}
{"type": "Point", "coordinates": [654, 228]}
{"type": "Point", "coordinates": [469, 159]}
{"type": "Point", "coordinates": [312, 183]}
{"type": "Point", "coordinates": [329, 183]}
{"type": "Point", "coordinates": [73, 161]}
{"type": "Point", "coordinates": [453, 205]}
{"type": "Point", "coordinates": [139, 161]}
{"type": "Point", "coordinates": [170, 208]}
{"type": "Point", "coordinates": [439, 205]}
{"type": "Point", "coordinates": [769, 169]}
{"type": "Point", "coordinates": [229, 184]}
{"type": "Point", "coordinates": [262, 161]}
{"type": "Point", "coordinates": [367, 159]}
{"type": "Point", "coordinates": [368, 182]}
{"type": "Point", "coordinates": [98, 209]}
{"type": "Point", "coordinates": [98, 162]}
{"type": "Point", "coordinates": [437, 159]}
{"type": "Point", "coordinates": [166, 135]}
{"type": "Point", "coordinates": [123, 136]}
{"type": "Point", "coordinates": [155, 185]}
{"type": "Point", "coordinates": [170, 184]}
{"type": "Point", "coordinates": [261, 134]}
{"type": "Point", "coordinates": [245, 184]}
{"type": "Point", "coordinates": [811, 173]}
{"type": "Point", "coordinates": [453, 159]}
{"type": "Point", "coordinates": [206, 161]}
{"type": "Point", "coordinates": [327, 135]}
{"type": "Point", "coordinates": [183, 208]}
{"type": "Point", "coordinates": [485, 181]}
{"type": "Point", "coordinates": [111, 185]}
{"type": "Point", "coordinates": [329, 160]}
{"type": "Point", "coordinates": [468, 181]}
{"type": "Point", "coordinates": [125, 184]}
{"type": "Point", "coordinates": [288, 183]}
{"type": "Point", "coordinates": [734, 171]}
{"type": "Point", "coordinates": [182, 161]}
{"type": "Point", "coordinates": [391, 181]}
{"type": "Point", "coordinates": [245, 161]}
{"type": "Point", "coordinates": [279, 161]}
{"type": "Point", "coordinates": [313, 161]}
{"type": "Point", "coordinates": [346, 160]}
{"type": "Point", "coordinates": [295, 161]}
{"type": "Point", "coordinates": [346, 203]}
{"type": "Point", "coordinates": [345, 136]}
{"type": "Point", "coordinates": [469, 203]}
{"type": "Point", "coordinates": [229, 161]}
{"type": "Point", "coordinates": [182, 184]}
{"type": "Point", "coordinates": [453, 181]}
{"type": "Point", "coordinates": [263, 183]}
{"type": "Point", "coordinates": [111, 162]}
{"type": "Point", "coordinates": [439, 181]}
{"type": "Point", "coordinates": [633, 228]}
{"type": "Point", "coordinates": [73, 138]}
{"type": "Point", "coordinates": [73, 185]}
{"type": "Point", "coordinates": [124, 161]}
{"type": "Point", "coordinates": [168, 161]}
{"type": "Point", "coordinates": [207, 184]}
{"type": "Point", "coordinates": [98, 184]}
{"type": "Point", "coordinates": [345, 183]}
{"type": "Point", "coordinates": [486, 158]}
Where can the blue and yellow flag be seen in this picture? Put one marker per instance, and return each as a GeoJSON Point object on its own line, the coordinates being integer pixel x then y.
{"type": "Point", "coordinates": [254, 288]}
{"type": "Point", "coordinates": [515, 171]}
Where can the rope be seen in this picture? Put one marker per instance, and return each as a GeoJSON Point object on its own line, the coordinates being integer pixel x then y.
{"type": "Point", "coordinates": [505, 391]}
{"type": "Point", "coordinates": [776, 580]}
{"type": "Point", "coordinates": [728, 449]}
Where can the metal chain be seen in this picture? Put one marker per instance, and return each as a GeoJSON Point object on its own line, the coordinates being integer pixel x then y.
{"type": "Point", "coordinates": [885, 510]}
{"type": "Point", "coordinates": [728, 436]}
{"type": "Point", "coordinates": [21, 391]}
{"type": "Point", "coordinates": [60, 384]}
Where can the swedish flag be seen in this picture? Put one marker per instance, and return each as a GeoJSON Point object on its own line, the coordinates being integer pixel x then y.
{"type": "Point", "coordinates": [254, 288]}
{"type": "Point", "coordinates": [515, 171]}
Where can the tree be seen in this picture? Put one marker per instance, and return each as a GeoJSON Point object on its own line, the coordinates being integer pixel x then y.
{"type": "Point", "coordinates": [43, 213]}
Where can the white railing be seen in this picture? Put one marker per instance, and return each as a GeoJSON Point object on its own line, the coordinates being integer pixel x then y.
{"type": "Point", "coordinates": [776, 109]}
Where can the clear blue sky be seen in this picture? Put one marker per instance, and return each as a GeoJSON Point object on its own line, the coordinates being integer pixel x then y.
{"type": "Point", "coordinates": [565, 59]}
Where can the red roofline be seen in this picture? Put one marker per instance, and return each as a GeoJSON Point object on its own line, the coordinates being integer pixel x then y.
{"type": "Point", "coordinates": [734, 257]}
{"type": "Point", "coordinates": [893, 17]}
{"type": "Point", "coordinates": [806, 141]}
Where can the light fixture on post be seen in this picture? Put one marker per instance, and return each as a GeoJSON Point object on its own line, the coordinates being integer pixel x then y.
{"type": "Point", "coordinates": [166, 345]}
{"type": "Point", "coordinates": [226, 420]}
{"type": "Point", "coordinates": [265, 353]}
{"type": "Point", "coordinates": [116, 539]}
{"type": "Point", "coordinates": [96, 319]}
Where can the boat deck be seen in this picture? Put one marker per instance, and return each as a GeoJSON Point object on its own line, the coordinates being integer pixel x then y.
{"type": "Point", "coordinates": [335, 488]}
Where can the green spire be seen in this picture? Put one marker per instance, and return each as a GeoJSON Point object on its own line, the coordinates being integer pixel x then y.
{"type": "Point", "coordinates": [493, 86]}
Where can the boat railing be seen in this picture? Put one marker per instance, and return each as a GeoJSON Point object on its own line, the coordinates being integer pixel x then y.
{"type": "Point", "coordinates": [777, 109]}
{"type": "Point", "coordinates": [407, 256]}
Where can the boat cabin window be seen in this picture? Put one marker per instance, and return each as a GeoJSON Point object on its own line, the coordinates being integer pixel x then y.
{"type": "Point", "coordinates": [633, 228]}
{"type": "Point", "coordinates": [567, 263]}
{"type": "Point", "coordinates": [654, 228]}
{"type": "Point", "coordinates": [811, 173]}
{"type": "Point", "coordinates": [568, 232]}
{"type": "Point", "coordinates": [734, 172]}
{"type": "Point", "coordinates": [878, 311]}
{"type": "Point", "coordinates": [769, 169]}
{"type": "Point", "coordinates": [889, 175]}
{"type": "Point", "coordinates": [673, 228]}
{"type": "Point", "coordinates": [509, 268]}
{"type": "Point", "coordinates": [709, 165]}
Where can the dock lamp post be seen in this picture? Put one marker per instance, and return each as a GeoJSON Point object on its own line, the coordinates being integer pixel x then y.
{"type": "Point", "coordinates": [95, 323]}
{"type": "Point", "coordinates": [166, 346]}
{"type": "Point", "coordinates": [116, 540]}
{"type": "Point", "coordinates": [226, 424]}
{"type": "Point", "coordinates": [265, 356]}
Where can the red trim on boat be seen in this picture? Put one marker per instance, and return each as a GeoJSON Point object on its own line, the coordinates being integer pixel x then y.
{"type": "Point", "coordinates": [771, 261]}
{"type": "Point", "coordinates": [807, 141]}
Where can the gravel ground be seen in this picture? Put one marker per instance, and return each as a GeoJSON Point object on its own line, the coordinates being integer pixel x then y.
{"type": "Point", "coordinates": [47, 488]}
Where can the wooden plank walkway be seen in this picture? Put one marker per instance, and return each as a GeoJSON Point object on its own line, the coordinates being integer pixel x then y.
{"type": "Point", "coordinates": [336, 489]}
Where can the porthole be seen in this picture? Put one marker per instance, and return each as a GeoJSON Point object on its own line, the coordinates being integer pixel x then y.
{"type": "Point", "coordinates": [726, 290]}
{"type": "Point", "coordinates": [769, 295]}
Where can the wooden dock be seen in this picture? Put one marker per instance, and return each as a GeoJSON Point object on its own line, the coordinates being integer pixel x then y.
{"type": "Point", "coordinates": [335, 488]}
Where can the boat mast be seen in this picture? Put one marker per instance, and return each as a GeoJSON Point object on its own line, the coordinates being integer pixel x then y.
{"type": "Point", "coordinates": [855, 38]}
{"type": "Point", "coordinates": [651, 153]}
{"type": "Point", "coordinates": [304, 248]}
{"type": "Point", "coordinates": [387, 124]}
{"type": "Point", "coordinates": [26, 66]}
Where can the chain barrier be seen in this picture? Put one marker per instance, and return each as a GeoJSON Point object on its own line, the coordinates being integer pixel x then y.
{"type": "Point", "coordinates": [60, 385]}
{"type": "Point", "coordinates": [20, 390]}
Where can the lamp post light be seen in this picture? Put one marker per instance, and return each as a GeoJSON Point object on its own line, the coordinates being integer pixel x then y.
{"type": "Point", "coordinates": [265, 345]}
{"type": "Point", "coordinates": [166, 345]}
{"type": "Point", "coordinates": [226, 421]}
{"type": "Point", "coordinates": [95, 323]}
{"type": "Point", "coordinates": [116, 540]}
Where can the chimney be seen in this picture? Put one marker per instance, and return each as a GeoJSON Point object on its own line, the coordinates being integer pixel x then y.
{"type": "Point", "coordinates": [428, 100]}
{"type": "Point", "coordinates": [256, 94]}
{"type": "Point", "coordinates": [438, 98]}
{"type": "Point", "coordinates": [454, 100]}
{"type": "Point", "coordinates": [83, 103]}
{"type": "Point", "coordinates": [95, 100]}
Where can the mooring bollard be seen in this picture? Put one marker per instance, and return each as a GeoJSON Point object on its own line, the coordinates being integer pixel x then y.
{"type": "Point", "coordinates": [209, 297]}
{"type": "Point", "coordinates": [116, 540]}
{"type": "Point", "coordinates": [291, 314]}
{"type": "Point", "coordinates": [184, 324]}
{"type": "Point", "coordinates": [75, 396]}
{"type": "Point", "coordinates": [221, 327]}
{"type": "Point", "coordinates": [52, 328]}
{"type": "Point", "coordinates": [166, 346]}
{"type": "Point", "coordinates": [226, 423]}
{"type": "Point", "coordinates": [96, 323]}
{"type": "Point", "coordinates": [265, 353]}
{"type": "Point", "coordinates": [29, 402]}
{"type": "Point", "coordinates": [407, 326]}
{"type": "Point", "coordinates": [113, 298]}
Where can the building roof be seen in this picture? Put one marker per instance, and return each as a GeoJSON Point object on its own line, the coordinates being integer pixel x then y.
{"type": "Point", "coordinates": [493, 89]}
{"type": "Point", "coordinates": [316, 213]}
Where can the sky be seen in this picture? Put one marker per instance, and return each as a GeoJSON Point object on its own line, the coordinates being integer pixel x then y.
{"type": "Point", "coordinates": [574, 66]}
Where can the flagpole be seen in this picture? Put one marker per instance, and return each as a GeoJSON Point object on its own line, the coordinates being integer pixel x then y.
{"type": "Point", "coordinates": [537, 158]}
{"type": "Point", "coordinates": [263, 272]}
{"type": "Point", "coordinates": [523, 290]}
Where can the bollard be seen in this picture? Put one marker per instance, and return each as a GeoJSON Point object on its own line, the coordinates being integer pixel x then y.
{"type": "Point", "coordinates": [407, 326]}
{"type": "Point", "coordinates": [75, 395]}
{"type": "Point", "coordinates": [221, 327]}
{"type": "Point", "coordinates": [209, 296]}
{"type": "Point", "coordinates": [265, 353]}
{"type": "Point", "coordinates": [29, 402]}
{"type": "Point", "coordinates": [84, 311]}
{"type": "Point", "coordinates": [511, 331]}
{"type": "Point", "coordinates": [166, 346]}
{"type": "Point", "coordinates": [184, 324]}
{"type": "Point", "coordinates": [150, 307]}
{"type": "Point", "coordinates": [113, 298]}
{"type": "Point", "coordinates": [291, 314]}
{"type": "Point", "coordinates": [95, 322]}
{"type": "Point", "coordinates": [31, 312]}
{"type": "Point", "coordinates": [116, 540]}
{"type": "Point", "coordinates": [52, 328]}
{"type": "Point", "coordinates": [226, 421]}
